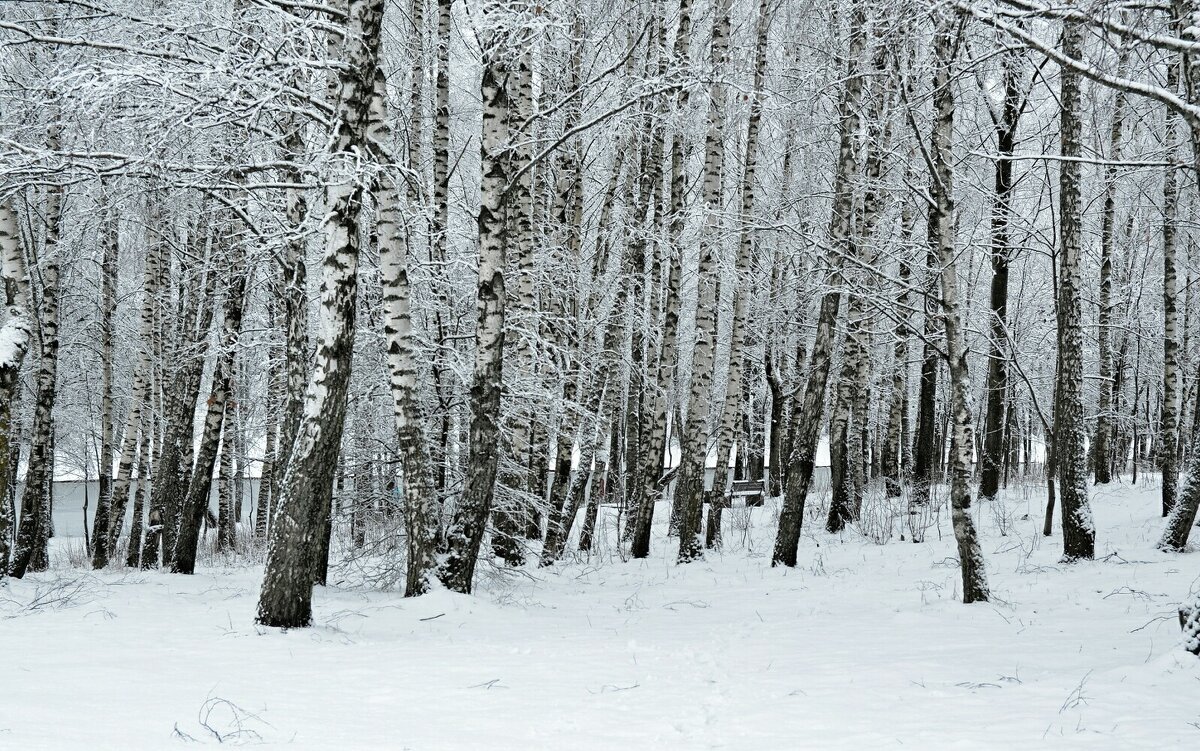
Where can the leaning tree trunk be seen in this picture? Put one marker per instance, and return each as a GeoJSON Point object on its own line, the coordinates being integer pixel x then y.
{"type": "Point", "coordinates": [465, 533]}
{"type": "Point", "coordinates": [694, 435]}
{"type": "Point", "coordinates": [808, 418]}
{"type": "Point", "coordinates": [1079, 533]}
{"type": "Point", "coordinates": [31, 552]}
{"type": "Point", "coordinates": [196, 502]}
{"type": "Point", "coordinates": [304, 505]}
{"type": "Point", "coordinates": [15, 335]}
{"type": "Point", "coordinates": [974, 576]}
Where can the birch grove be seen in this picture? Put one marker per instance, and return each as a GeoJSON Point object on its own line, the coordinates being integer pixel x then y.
{"type": "Point", "coordinates": [432, 295]}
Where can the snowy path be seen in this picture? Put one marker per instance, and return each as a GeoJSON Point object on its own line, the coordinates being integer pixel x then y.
{"type": "Point", "coordinates": [861, 647]}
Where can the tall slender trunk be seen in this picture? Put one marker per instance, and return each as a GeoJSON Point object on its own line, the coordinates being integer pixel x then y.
{"type": "Point", "coordinates": [15, 335]}
{"type": "Point", "coordinates": [992, 456]}
{"type": "Point", "coordinates": [188, 351]}
{"type": "Point", "coordinates": [195, 504]}
{"type": "Point", "coordinates": [1079, 533]}
{"type": "Point", "coordinates": [420, 501]}
{"type": "Point", "coordinates": [925, 444]}
{"type": "Point", "coordinates": [694, 433]}
{"type": "Point", "coordinates": [438, 231]}
{"type": "Point", "coordinates": [807, 419]}
{"type": "Point", "coordinates": [509, 521]}
{"type": "Point", "coordinates": [730, 409]}
{"type": "Point", "coordinates": [848, 445]}
{"type": "Point", "coordinates": [1102, 450]}
{"type": "Point", "coordinates": [465, 533]}
{"type": "Point", "coordinates": [110, 511]}
{"type": "Point", "coordinates": [31, 552]}
{"type": "Point", "coordinates": [654, 451]}
{"type": "Point", "coordinates": [108, 309]}
{"type": "Point", "coordinates": [892, 465]}
{"type": "Point", "coordinates": [1168, 432]}
{"type": "Point", "coordinates": [974, 576]}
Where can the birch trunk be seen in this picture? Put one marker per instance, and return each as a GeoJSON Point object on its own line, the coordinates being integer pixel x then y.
{"type": "Point", "coordinates": [510, 522]}
{"type": "Point", "coordinates": [439, 227]}
{"type": "Point", "coordinates": [266, 487]}
{"type": "Point", "coordinates": [807, 419]}
{"type": "Point", "coordinates": [1168, 432]}
{"type": "Point", "coordinates": [133, 553]}
{"type": "Point", "coordinates": [15, 336]}
{"type": "Point", "coordinates": [465, 533]}
{"type": "Point", "coordinates": [108, 309]}
{"type": "Point", "coordinates": [992, 456]}
{"type": "Point", "coordinates": [175, 467]}
{"type": "Point", "coordinates": [729, 410]}
{"type": "Point", "coordinates": [1104, 323]}
{"type": "Point", "coordinates": [654, 453]}
{"type": "Point", "coordinates": [694, 438]}
{"type": "Point", "coordinates": [420, 506]}
{"type": "Point", "coordinates": [847, 445]}
{"type": "Point", "coordinates": [110, 513]}
{"type": "Point", "coordinates": [305, 503]}
{"type": "Point", "coordinates": [226, 522]}
{"type": "Point", "coordinates": [893, 460]}
{"type": "Point", "coordinates": [974, 576]}
{"type": "Point", "coordinates": [195, 504]}
{"type": "Point", "coordinates": [31, 552]}
{"type": "Point", "coordinates": [1079, 534]}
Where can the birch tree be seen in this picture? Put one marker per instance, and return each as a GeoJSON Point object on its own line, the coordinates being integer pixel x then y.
{"type": "Point", "coordinates": [15, 335]}
{"type": "Point", "coordinates": [941, 234]}
{"type": "Point", "coordinates": [808, 418]}
{"type": "Point", "coordinates": [31, 551]}
{"type": "Point", "coordinates": [304, 503]}
{"type": "Point", "coordinates": [465, 532]}
{"type": "Point", "coordinates": [1079, 534]}
{"type": "Point", "coordinates": [694, 434]}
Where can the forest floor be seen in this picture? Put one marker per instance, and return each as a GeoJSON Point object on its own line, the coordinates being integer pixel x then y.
{"type": "Point", "coordinates": [862, 646]}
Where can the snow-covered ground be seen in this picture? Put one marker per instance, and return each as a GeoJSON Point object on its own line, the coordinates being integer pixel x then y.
{"type": "Point", "coordinates": [862, 646]}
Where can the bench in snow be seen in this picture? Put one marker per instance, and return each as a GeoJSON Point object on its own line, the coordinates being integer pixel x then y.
{"type": "Point", "coordinates": [751, 491]}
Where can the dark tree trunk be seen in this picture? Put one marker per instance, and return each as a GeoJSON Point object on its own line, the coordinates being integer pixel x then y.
{"type": "Point", "coordinates": [992, 456]}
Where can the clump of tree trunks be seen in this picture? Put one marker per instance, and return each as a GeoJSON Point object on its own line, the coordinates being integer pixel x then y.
{"type": "Point", "coordinates": [541, 327]}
